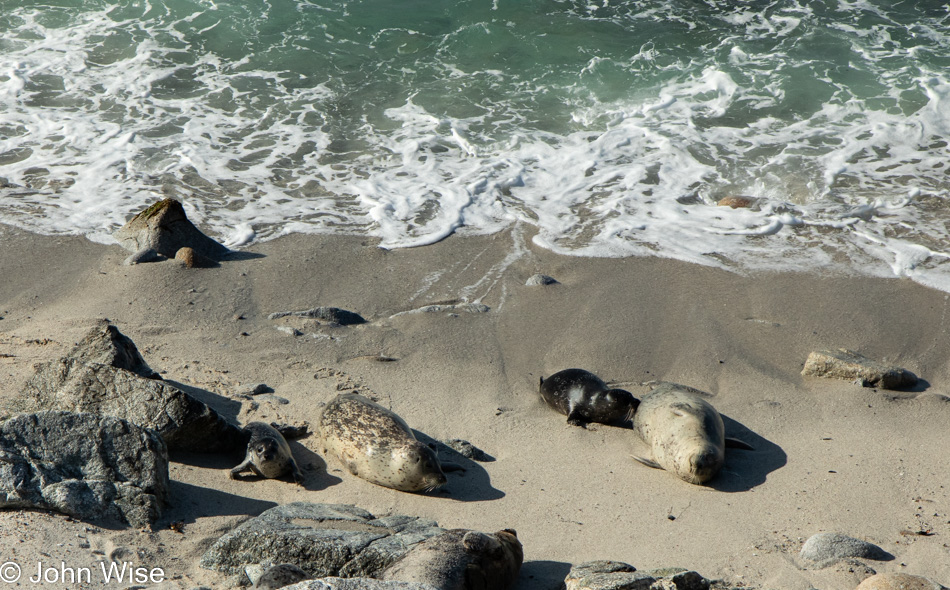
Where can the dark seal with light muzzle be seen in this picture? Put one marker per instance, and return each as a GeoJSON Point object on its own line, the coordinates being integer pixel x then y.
{"type": "Point", "coordinates": [268, 454]}
{"type": "Point", "coordinates": [584, 397]}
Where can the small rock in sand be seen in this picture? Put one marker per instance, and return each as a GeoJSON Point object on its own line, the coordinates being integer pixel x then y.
{"type": "Point", "coordinates": [737, 202]}
{"type": "Point", "coordinates": [824, 549]}
{"type": "Point", "coordinates": [539, 279]}
{"type": "Point", "coordinates": [851, 366]}
{"type": "Point", "coordinates": [191, 259]}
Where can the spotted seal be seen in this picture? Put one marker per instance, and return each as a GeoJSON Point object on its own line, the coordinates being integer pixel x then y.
{"type": "Point", "coordinates": [583, 397]}
{"type": "Point", "coordinates": [268, 454]}
{"type": "Point", "coordinates": [377, 445]}
{"type": "Point", "coordinates": [460, 559]}
{"type": "Point", "coordinates": [685, 433]}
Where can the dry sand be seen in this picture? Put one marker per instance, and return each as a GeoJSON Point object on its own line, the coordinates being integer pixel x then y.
{"type": "Point", "coordinates": [829, 456]}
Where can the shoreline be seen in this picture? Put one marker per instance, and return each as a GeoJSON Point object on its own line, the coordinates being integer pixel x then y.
{"type": "Point", "coordinates": [830, 456]}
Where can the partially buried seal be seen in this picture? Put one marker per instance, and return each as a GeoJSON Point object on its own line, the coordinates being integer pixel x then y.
{"type": "Point", "coordinates": [583, 397]}
{"type": "Point", "coordinates": [268, 454]}
{"type": "Point", "coordinates": [377, 445]}
{"type": "Point", "coordinates": [684, 431]}
{"type": "Point", "coordinates": [460, 559]}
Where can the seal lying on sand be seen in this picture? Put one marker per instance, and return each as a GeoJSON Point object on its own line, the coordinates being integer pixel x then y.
{"type": "Point", "coordinates": [583, 397]}
{"type": "Point", "coordinates": [268, 454]}
{"type": "Point", "coordinates": [462, 560]}
{"type": "Point", "coordinates": [377, 445]}
{"type": "Point", "coordinates": [684, 431]}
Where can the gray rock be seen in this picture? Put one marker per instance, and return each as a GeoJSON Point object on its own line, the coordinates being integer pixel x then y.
{"type": "Point", "coordinates": [450, 308]}
{"type": "Point", "coordinates": [106, 345]}
{"type": "Point", "coordinates": [824, 549]}
{"type": "Point", "coordinates": [321, 539]}
{"type": "Point", "coordinates": [184, 422]}
{"type": "Point", "coordinates": [357, 584]}
{"type": "Point", "coordinates": [279, 576]}
{"type": "Point", "coordinates": [142, 256]}
{"type": "Point", "coordinates": [468, 450]}
{"type": "Point", "coordinates": [334, 315]}
{"type": "Point", "coordinates": [851, 366]}
{"type": "Point", "coordinates": [88, 466]}
{"type": "Point", "coordinates": [164, 228]}
{"type": "Point", "coordinates": [607, 575]}
{"type": "Point", "coordinates": [454, 559]}
{"type": "Point", "coordinates": [898, 581]}
{"type": "Point", "coordinates": [540, 280]}
{"type": "Point", "coordinates": [617, 575]}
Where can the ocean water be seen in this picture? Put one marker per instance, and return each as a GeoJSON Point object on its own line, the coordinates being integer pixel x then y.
{"type": "Point", "coordinates": [612, 127]}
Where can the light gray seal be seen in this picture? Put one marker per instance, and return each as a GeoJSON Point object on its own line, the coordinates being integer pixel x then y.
{"type": "Point", "coordinates": [684, 431]}
{"type": "Point", "coordinates": [460, 559]}
{"type": "Point", "coordinates": [583, 397]}
{"type": "Point", "coordinates": [377, 445]}
{"type": "Point", "coordinates": [268, 454]}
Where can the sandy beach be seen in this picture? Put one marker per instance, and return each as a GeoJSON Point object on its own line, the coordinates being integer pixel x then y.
{"type": "Point", "coordinates": [829, 456]}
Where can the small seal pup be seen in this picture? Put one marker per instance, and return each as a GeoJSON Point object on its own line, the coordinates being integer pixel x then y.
{"type": "Point", "coordinates": [460, 559]}
{"type": "Point", "coordinates": [583, 397]}
{"type": "Point", "coordinates": [377, 445]}
{"type": "Point", "coordinates": [684, 431]}
{"type": "Point", "coordinates": [268, 454]}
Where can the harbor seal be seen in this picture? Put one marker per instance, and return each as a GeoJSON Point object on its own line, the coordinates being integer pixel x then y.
{"type": "Point", "coordinates": [268, 454]}
{"type": "Point", "coordinates": [583, 397]}
{"type": "Point", "coordinates": [377, 445]}
{"type": "Point", "coordinates": [460, 559]}
{"type": "Point", "coordinates": [684, 431]}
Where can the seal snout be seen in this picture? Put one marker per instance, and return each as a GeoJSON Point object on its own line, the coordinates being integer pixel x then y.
{"type": "Point", "coordinates": [704, 465]}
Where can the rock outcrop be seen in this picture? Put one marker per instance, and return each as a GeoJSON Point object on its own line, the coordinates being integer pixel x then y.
{"type": "Point", "coordinates": [165, 229]}
{"type": "Point", "coordinates": [324, 540]}
{"type": "Point", "coordinates": [87, 466]}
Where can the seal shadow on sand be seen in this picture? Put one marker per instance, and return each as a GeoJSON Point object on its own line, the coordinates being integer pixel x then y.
{"type": "Point", "coordinates": [542, 575]}
{"type": "Point", "coordinates": [213, 503]}
{"type": "Point", "coordinates": [471, 484]}
{"type": "Point", "coordinates": [744, 470]}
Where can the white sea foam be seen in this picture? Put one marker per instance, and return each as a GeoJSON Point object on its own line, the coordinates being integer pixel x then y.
{"type": "Point", "coordinates": [607, 150]}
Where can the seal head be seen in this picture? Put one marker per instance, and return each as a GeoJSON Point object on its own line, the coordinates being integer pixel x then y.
{"type": "Point", "coordinates": [377, 445]}
{"type": "Point", "coordinates": [583, 397]}
{"type": "Point", "coordinates": [461, 559]}
{"type": "Point", "coordinates": [684, 431]}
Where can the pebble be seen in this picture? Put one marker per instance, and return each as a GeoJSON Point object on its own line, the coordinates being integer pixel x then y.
{"type": "Point", "coordinates": [540, 280]}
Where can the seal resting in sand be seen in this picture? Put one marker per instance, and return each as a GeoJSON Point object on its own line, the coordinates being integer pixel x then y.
{"type": "Point", "coordinates": [684, 431]}
{"type": "Point", "coordinates": [377, 445]}
{"type": "Point", "coordinates": [460, 559]}
{"type": "Point", "coordinates": [583, 397]}
{"type": "Point", "coordinates": [268, 454]}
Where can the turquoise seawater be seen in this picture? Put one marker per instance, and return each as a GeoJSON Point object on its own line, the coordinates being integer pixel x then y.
{"type": "Point", "coordinates": [612, 127]}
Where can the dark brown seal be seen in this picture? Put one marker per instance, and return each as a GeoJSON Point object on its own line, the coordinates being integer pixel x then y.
{"type": "Point", "coordinates": [268, 454]}
{"type": "Point", "coordinates": [583, 397]}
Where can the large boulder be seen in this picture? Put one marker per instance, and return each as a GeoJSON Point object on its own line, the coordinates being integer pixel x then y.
{"type": "Point", "coordinates": [105, 344]}
{"type": "Point", "coordinates": [87, 466]}
{"type": "Point", "coordinates": [164, 228]}
{"type": "Point", "coordinates": [324, 540]}
{"type": "Point", "coordinates": [184, 422]}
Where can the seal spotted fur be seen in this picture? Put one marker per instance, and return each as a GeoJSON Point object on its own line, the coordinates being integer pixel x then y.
{"type": "Point", "coordinates": [377, 445]}
{"type": "Point", "coordinates": [583, 397]}
{"type": "Point", "coordinates": [268, 454]}
{"type": "Point", "coordinates": [684, 431]}
{"type": "Point", "coordinates": [460, 559]}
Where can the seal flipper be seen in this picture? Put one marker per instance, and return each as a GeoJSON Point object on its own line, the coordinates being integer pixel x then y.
{"type": "Point", "coordinates": [735, 443]}
{"type": "Point", "coordinates": [574, 418]}
{"type": "Point", "coordinates": [240, 468]}
{"type": "Point", "coordinates": [647, 462]}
